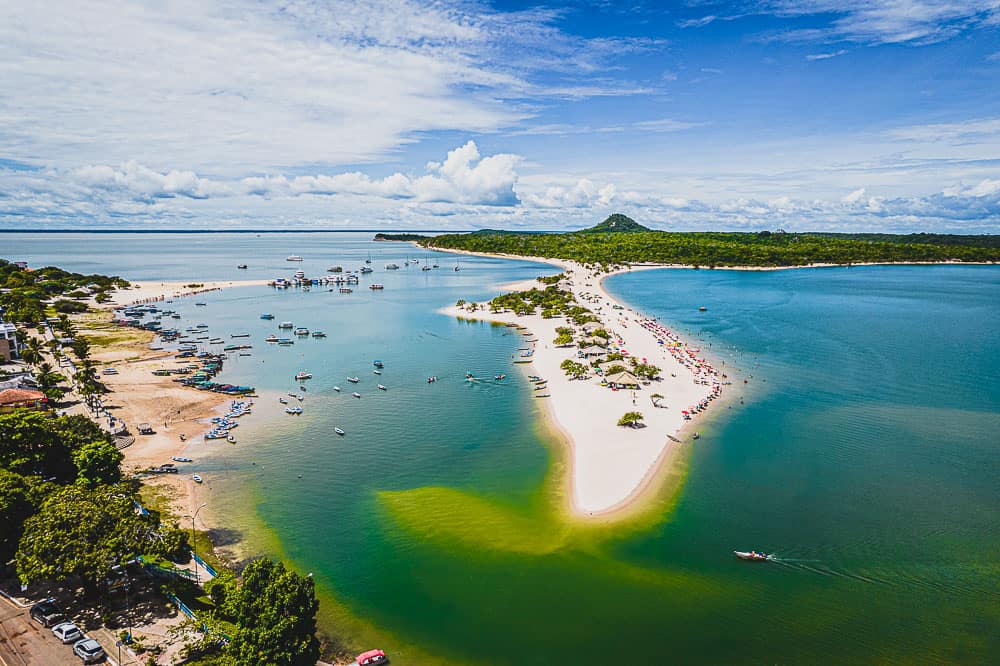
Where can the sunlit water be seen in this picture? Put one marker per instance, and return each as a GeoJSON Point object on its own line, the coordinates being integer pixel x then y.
{"type": "Point", "coordinates": [865, 456]}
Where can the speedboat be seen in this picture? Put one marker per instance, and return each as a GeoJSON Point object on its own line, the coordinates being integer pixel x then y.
{"type": "Point", "coordinates": [302, 374]}
{"type": "Point", "coordinates": [181, 459]}
{"type": "Point", "coordinates": [337, 389]}
{"type": "Point", "coordinates": [302, 331]}
{"type": "Point", "coordinates": [293, 257]}
{"type": "Point", "coordinates": [339, 431]}
{"type": "Point", "coordinates": [354, 380]}
{"type": "Point", "coordinates": [356, 394]}
{"type": "Point", "coordinates": [378, 364]}
{"type": "Point", "coordinates": [376, 372]}
{"type": "Point", "coordinates": [752, 555]}
{"type": "Point", "coordinates": [371, 658]}
{"type": "Point", "coordinates": [286, 324]}
{"type": "Point", "coordinates": [382, 388]}
{"type": "Point", "coordinates": [267, 315]}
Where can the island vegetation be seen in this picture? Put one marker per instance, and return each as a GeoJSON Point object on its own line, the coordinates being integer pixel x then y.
{"type": "Point", "coordinates": [619, 240]}
{"type": "Point", "coordinates": [404, 237]}
{"type": "Point", "coordinates": [28, 296]}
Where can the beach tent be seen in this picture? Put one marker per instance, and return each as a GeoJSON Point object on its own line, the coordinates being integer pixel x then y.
{"type": "Point", "coordinates": [622, 380]}
{"type": "Point", "coordinates": [594, 350]}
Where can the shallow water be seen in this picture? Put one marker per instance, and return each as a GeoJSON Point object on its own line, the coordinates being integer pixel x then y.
{"type": "Point", "coordinates": [865, 457]}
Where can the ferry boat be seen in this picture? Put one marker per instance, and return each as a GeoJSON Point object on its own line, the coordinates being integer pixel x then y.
{"type": "Point", "coordinates": [752, 555]}
{"type": "Point", "coordinates": [286, 324]}
{"type": "Point", "coordinates": [371, 658]}
{"type": "Point", "coordinates": [339, 431]}
{"type": "Point", "coordinates": [302, 374]}
{"type": "Point", "coordinates": [376, 286]}
{"type": "Point", "coordinates": [293, 257]}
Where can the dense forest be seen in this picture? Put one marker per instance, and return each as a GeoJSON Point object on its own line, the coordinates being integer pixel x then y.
{"type": "Point", "coordinates": [25, 293]}
{"type": "Point", "coordinates": [711, 249]}
{"type": "Point", "coordinates": [399, 237]}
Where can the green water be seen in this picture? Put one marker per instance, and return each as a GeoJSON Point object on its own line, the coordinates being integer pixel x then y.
{"type": "Point", "coordinates": [865, 456]}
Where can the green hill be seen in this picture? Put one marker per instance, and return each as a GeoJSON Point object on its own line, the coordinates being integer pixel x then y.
{"type": "Point", "coordinates": [616, 223]}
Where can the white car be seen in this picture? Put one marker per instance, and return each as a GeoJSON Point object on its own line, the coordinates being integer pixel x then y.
{"type": "Point", "coordinates": [88, 650]}
{"type": "Point", "coordinates": [67, 632]}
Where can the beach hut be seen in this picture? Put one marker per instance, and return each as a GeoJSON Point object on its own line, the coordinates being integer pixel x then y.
{"type": "Point", "coordinates": [16, 398]}
{"type": "Point", "coordinates": [588, 352]}
{"type": "Point", "coordinates": [622, 380]}
{"type": "Point", "coordinates": [592, 341]}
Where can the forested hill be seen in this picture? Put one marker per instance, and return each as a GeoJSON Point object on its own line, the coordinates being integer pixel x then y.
{"type": "Point", "coordinates": [729, 249]}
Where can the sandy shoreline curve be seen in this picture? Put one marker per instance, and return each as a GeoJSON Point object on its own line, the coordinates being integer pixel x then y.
{"type": "Point", "coordinates": [609, 467]}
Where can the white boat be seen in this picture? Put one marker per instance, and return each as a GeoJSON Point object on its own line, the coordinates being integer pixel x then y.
{"type": "Point", "coordinates": [293, 410]}
{"type": "Point", "coordinates": [293, 257]}
{"type": "Point", "coordinates": [376, 287]}
{"type": "Point", "coordinates": [337, 389]}
{"type": "Point", "coordinates": [752, 556]}
{"type": "Point", "coordinates": [302, 331]}
{"type": "Point", "coordinates": [382, 388]}
{"type": "Point", "coordinates": [196, 478]}
{"type": "Point", "coordinates": [271, 338]}
{"type": "Point", "coordinates": [376, 372]}
{"type": "Point", "coordinates": [286, 324]}
{"type": "Point", "coordinates": [366, 269]}
{"type": "Point", "coordinates": [354, 380]}
{"type": "Point", "coordinates": [300, 397]}
{"type": "Point", "coordinates": [181, 459]}
{"type": "Point", "coordinates": [302, 374]}
{"type": "Point", "coordinates": [282, 401]}
{"type": "Point", "coordinates": [356, 394]}
{"type": "Point", "coordinates": [338, 431]}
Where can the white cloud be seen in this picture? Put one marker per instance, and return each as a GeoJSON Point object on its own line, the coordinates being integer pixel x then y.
{"type": "Point", "coordinates": [962, 130]}
{"type": "Point", "coordinates": [825, 56]}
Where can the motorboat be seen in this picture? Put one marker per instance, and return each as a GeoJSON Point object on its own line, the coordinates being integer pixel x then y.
{"type": "Point", "coordinates": [299, 397]}
{"type": "Point", "coordinates": [376, 372]}
{"type": "Point", "coordinates": [431, 380]}
{"type": "Point", "coordinates": [271, 338]}
{"type": "Point", "coordinates": [181, 459]}
{"type": "Point", "coordinates": [282, 401]}
{"type": "Point", "coordinates": [242, 267]}
{"type": "Point", "coordinates": [302, 374]}
{"type": "Point", "coordinates": [391, 267]}
{"type": "Point", "coordinates": [354, 380]}
{"type": "Point", "coordinates": [378, 364]}
{"type": "Point", "coordinates": [318, 334]}
{"type": "Point", "coordinates": [337, 389]}
{"type": "Point", "coordinates": [302, 331]}
{"type": "Point", "coordinates": [293, 410]}
{"type": "Point", "coordinates": [339, 431]}
{"type": "Point", "coordinates": [293, 257]}
{"type": "Point", "coordinates": [366, 269]}
{"type": "Point", "coordinates": [356, 394]}
{"type": "Point", "coordinates": [499, 377]}
{"type": "Point", "coordinates": [752, 556]}
{"type": "Point", "coordinates": [382, 388]}
{"type": "Point", "coordinates": [266, 315]}
{"type": "Point", "coordinates": [371, 658]}
{"type": "Point", "coordinates": [198, 479]}
{"type": "Point", "coordinates": [376, 287]}
{"type": "Point", "coordinates": [286, 324]}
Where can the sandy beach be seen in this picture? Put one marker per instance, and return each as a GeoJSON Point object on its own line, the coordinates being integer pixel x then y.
{"type": "Point", "coordinates": [149, 292]}
{"type": "Point", "coordinates": [610, 466]}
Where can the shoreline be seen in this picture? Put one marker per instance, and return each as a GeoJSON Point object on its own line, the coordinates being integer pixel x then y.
{"type": "Point", "coordinates": [609, 468]}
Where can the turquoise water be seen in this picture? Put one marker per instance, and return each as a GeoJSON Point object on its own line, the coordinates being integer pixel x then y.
{"type": "Point", "coordinates": [865, 455]}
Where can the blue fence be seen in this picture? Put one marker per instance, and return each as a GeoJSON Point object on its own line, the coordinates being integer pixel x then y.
{"type": "Point", "coordinates": [181, 605]}
{"type": "Point", "coordinates": [212, 572]}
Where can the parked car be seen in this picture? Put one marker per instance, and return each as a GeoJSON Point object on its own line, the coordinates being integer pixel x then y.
{"type": "Point", "coordinates": [88, 650]}
{"type": "Point", "coordinates": [67, 632]}
{"type": "Point", "coordinates": [46, 613]}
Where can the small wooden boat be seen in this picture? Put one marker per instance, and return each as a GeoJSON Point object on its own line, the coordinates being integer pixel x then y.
{"type": "Point", "coordinates": [752, 556]}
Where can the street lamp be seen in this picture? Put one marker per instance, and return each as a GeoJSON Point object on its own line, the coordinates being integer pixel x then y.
{"type": "Point", "coordinates": [192, 517]}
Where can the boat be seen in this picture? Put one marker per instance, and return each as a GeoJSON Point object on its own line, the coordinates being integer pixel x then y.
{"type": "Point", "coordinates": [201, 304]}
{"type": "Point", "coordinates": [431, 380]}
{"type": "Point", "coordinates": [231, 439]}
{"type": "Point", "coordinates": [181, 459]}
{"type": "Point", "coordinates": [369, 259]}
{"type": "Point", "coordinates": [425, 267]}
{"type": "Point", "coordinates": [371, 658]}
{"type": "Point", "coordinates": [346, 290]}
{"type": "Point", "coordinates": [695, 436]}
{"type": "Point", "coordinates": [318, 334]}
{"type": "Point", "coordinates": [339, 431]}
{"type": "Point", "coordinates": [242, 267]}
{"type": "Point", "coordinates": [702, 309]}
{"type": "Point", "coordinates": [376, 287]}
{"type": "Point", "coordinates": [286, 324]}
{"type": "Point", "coordinates": [378, 364]}
{"type": "Point", "coordinates": [752, 556]}
{"type": "Point", "coordinates": [197, 479]}
{"type": "Point", "coordinates": [271, 338]}
{"type": "Point", "coordinates": [266, 315]}
{"type": "Point", "coordinates": [382, 388]}
{"type": "Point", "coordinates": [391, 267]}
{"type": "Point", "coordinates": [457, 268]}
{"type": "Point", "coordinates": [356, 394]}
{"type": "Point", "coordinates": [302, 331]}
{"type": "Point", "coordinates": [337, 389]}
{"type": "Point", "coordinates": [335, 269]}
{"type": "Point", "coordinates": [376, 372]}
{"type": "Point", "coordinates": [499, 377]}
{"type": "Point", "coordinates": [293, 257]}
{"type": "Point", "coordinates": [282, 401]}
{"type": "Point", "coordinates": [302, 374]}
{"type": "Point", "coordinates": [293, 410]}
{"type": "Point", "coordinates": [286, 341]}
{"type": "Point", "coordinates": [354, 380]}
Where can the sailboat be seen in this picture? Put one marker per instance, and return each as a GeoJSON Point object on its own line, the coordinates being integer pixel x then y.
{"type": "Point", "coordinates": [369, 259]}
{"type": "Point", "coordinates": [457, 269]}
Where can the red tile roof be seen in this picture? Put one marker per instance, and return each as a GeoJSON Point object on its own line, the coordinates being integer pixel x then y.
{"type": "Point", "coordinates": [15, 396]}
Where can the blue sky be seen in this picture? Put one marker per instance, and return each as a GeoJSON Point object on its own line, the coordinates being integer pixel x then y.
{"type": "Point", "coordinates": [800, 114]}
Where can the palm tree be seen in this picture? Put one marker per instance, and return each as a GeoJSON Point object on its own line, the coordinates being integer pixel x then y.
{"type": "Point", "coordinates": [31, 353]}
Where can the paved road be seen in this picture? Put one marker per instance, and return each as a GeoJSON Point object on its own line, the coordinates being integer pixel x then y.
{"type": "Point", "coordinates": [27, 643]}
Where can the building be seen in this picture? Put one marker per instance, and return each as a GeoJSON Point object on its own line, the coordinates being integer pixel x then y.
{"type": "Point", "coordinates": [588, 352]}
{"type": "Point", "coordinates": [622, 380]}
{"type": "Point", "coordinates": [8, 342]}
{"type": "Point", "coordinates": [11, 399]}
